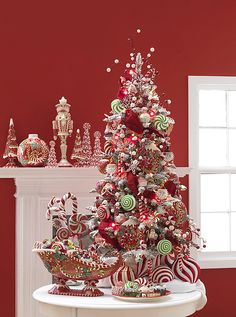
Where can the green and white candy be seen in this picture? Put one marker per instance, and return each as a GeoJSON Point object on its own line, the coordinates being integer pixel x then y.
{"type": "Point", "coordinates": [117, 106]}
{"type": "Point", "coordinates": [164, 247]}
{"type": "Point", "coordinates": [128, 202]}
{"type": "Point", "coordinates": [131, 286]}
{"type": "Point", "coordinates": [161, 122]}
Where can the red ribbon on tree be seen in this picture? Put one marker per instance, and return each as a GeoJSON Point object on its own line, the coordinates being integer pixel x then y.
{"type": "Point", "coordinates": [171, 187]}
{"type": "Point", "coordinates": [132, 182]}
{"type": "Point", "coordinates": [132, 121]}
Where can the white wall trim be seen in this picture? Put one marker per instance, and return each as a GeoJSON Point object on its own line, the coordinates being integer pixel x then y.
{"type": "Point", "coordinates": [195, 83]}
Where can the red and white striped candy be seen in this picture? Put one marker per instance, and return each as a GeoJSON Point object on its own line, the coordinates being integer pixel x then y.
{"type": "Point", "coordinates": [156, 261]}
{"type": "Point", "coordinates": [51, 208]}
{"type": "Point", "coordinates": [162, 274]}
{"type": "Point", "coordinates": [123, 274]}
{"type": "Point", "coordinates": [58, 246]}
{"type": "Point", "coordinates": [108, 147]}
{"type": "Point", "coordinates": [168, 259]}
{"type": "Point", "coordinates": [142, 267]}
{"type": "Point", "coordinates": [74, 202]}
{"type": "Point", "coordinates": [77, 224]}
{"type": "Point", "coordinates": [63, 233]}
{"type": "Point", "coordinates": [186, 269]}
{"type": "Point", "coordinates": [103, 212]}
{"type": "Point", "coordinates": [141, 281]}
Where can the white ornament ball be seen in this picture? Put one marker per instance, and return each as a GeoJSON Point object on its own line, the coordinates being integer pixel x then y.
{"type": "Point", "coordinates": [145, 118]}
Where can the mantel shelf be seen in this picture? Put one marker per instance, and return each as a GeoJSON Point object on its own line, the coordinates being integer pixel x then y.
{"type": "Point", "coordinates": [63, 172]}
{"type": "Point", "coordinates": [42, 172]}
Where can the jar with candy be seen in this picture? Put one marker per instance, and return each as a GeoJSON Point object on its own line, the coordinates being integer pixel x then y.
{"type": "Point", "coordinates": [33, 152]}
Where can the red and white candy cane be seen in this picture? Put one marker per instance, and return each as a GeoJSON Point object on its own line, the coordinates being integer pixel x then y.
{"type": "Point", "coordinates": [51, 208]}
{"type": "Point", "coordinates": [149, 265]}
{"type": "Point", "coordinates": [74, 202]}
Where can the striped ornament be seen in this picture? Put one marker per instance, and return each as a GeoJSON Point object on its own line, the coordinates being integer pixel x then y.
{"type": "Point", "coordinates": [168, 259]}
{"type": "Point", "coordinates": [108, 147]}
{"type": "Point", "coordinates": [186, 269]}
{"type": "Point", "coordinates": [141, 281]}
{"type": "Point", "coordinates": [142, 267]}
{"type": "Point", "coordinates": [162, 274]}
{"type": "Point", "coordinates": [123, 274]}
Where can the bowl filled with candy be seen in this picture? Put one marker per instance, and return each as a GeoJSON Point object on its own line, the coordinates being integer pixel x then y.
{"type": "Point", "coordinates": [66, 259]}
{"type": "Point", "coordinates": [134, 290]}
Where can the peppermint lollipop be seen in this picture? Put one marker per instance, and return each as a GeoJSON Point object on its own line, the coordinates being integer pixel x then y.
{"type": "Point", "coordinates": [162, 274]}
{"type": "Point", "coordinates": [117, 106]}
{"type": "Point", "coordinates": [63, 233]}
{"type": "Point", "coordinates": [58, 246]}
{"type": "Point", "coordinates": [161, 122]}
{"type": "Point", "coordinates": [164, 247]}
{"type": "Point", "coordinates": [186, 269]}
{"type": "Point", "coordinates": [77, 224]}
{"type": "Point", "coordinates": [128, 202]}
{"type": "Point", "coordinates": [103, 212]}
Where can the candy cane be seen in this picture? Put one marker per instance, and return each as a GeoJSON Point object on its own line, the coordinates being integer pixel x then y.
{"type": "Point", "coordinates": [74, 202]}
{"type": "Point", "coordinates": [51, 209]}
{"type": "Point", "coordinates": [149, 265]}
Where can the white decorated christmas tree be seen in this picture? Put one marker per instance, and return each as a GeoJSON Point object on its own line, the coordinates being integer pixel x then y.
{"type": "Point", "coordinates": [139, 206]}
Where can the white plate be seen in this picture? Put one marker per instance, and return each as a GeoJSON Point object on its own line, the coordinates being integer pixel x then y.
{"type": "Point", "coordinates": [141, 299]}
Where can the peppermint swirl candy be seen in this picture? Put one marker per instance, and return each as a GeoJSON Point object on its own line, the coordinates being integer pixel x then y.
{"type": "Point", "coordinates": [162, 274]}
{"type": "Point", "coordinates": [103, 212]}
{"type": "Point", "coordinates": [161, 122]}
{"type": "Point", "coordinates": [123, 274]}
{"type": "Point", "coordinates": [77, 224]}
{"type": "Point", "coordinates": [63, 233]}
{"type": "Point", "coordinates": [58, 246]}
{"type": "Point", "coordinates": [164, 247]}
{"type": "Point", "coordinates": [141, 281]}
{"type": "Point", "coordinates": [186, 269]}
{"type": "Point", "coordinates": [117, 106]}
{"type": "Point", "coordinates": [128, 202]}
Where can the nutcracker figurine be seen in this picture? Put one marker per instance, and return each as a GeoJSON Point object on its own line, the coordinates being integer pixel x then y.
{"type": "Point", "coordinates": [62, 128]}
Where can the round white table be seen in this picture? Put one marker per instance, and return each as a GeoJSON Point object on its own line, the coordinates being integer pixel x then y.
{"type": "Point", "coordinates": [174, 305]}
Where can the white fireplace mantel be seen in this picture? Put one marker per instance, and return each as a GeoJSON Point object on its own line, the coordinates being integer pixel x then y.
{"type": "Point", "coordinates": [34, 188]}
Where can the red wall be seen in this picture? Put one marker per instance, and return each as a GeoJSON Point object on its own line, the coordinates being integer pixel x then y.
{"type": "Point", "coordinates": [54, 48]}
